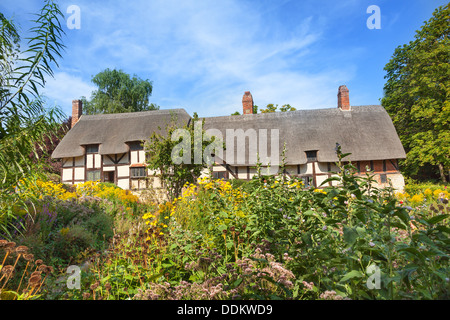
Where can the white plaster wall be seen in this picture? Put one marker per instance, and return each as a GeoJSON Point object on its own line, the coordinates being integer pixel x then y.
{"type": "Point", "coordinates": [133, 157]}
{"type": "Point", "coordinates": [123, 171]}
{"type": "Point", "coordinates": [320, 179]}
{"type": "Point", "coordinates": [123, 183]}
{"type": "Point", "coordinates": [97, 161]}
{"type": "Point", "coordinates": [67, 174]}
{"type": "Point", "coordinates": [89, 161]}
{"type": "Point", "coordinates": [79, 173]}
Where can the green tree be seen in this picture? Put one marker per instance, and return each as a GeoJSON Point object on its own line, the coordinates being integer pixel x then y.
{"type": "Point", "coordinates": [119, 92]}
{"type": "Point", "coordinates": [416, 96]}
{"type": "Point", "coordinates": [269, 108]}
{"type": "Point", "coordinates": [24, 121]}
{"type": "Point", "coordinates": [273, 108]}
{"type": "Point", "coordinates": [162, 149]}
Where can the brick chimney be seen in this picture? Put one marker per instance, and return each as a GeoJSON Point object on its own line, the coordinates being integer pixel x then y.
{"type": "Point", "coordinates": [77, 111]}
{"type": "Point", "coordinates": [247, 103]}
{"type": "Point", "coordinates": [343, 98]}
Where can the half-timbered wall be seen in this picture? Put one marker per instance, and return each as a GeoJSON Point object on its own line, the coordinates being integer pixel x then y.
{"type": "Point", "coordinates": [122, 168]}
{"type": "Point", "coordinates": [315, 173]}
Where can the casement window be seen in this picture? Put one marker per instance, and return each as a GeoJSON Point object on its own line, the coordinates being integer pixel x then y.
{"type": "Point", "coordinates": [93, 175]}
{"type": "Point", "coordinates": [307, 181]}
{"type": "Point", "coordinates": [383, 178]}
{"type": "Point", "coordinates": [136, 146]}
{"type": "Point", "coordinates": [92, 148]}
{"type": "Point", "coordinates": [220, 175]}
{"type": "Point", "coordinates": [137, 172]}
{"type": "Point", "coordinates": [311, 156]}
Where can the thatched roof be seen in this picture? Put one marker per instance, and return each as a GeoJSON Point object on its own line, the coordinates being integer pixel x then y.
{"type": "Point", "coordinates": [366, 132]}
{"type": "Point", "coordinates": [113, 131]}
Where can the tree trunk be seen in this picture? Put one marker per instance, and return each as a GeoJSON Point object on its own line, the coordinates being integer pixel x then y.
{"type": "Point", "coordinates": [441, 172]}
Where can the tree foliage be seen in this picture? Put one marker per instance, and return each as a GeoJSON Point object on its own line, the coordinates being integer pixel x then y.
{"type": "Point", "coordinates": [269, 108]}
{"type": "Point", "coordinates": [119, 92]}
{"type": "Point", "coordinates": [187, 142]}
{"type": "Point", "coordinates": [273, 108]}
{"type": "Point", "coordinates": [416, 95]}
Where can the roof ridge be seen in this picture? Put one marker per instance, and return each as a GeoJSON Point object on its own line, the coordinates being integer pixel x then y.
{"type": "Point", "coordinates": [288, 113]}
{"type": "Point", "coordinates": [129, 114]}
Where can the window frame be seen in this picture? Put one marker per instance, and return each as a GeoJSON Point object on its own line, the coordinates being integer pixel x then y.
{"type": "Point", "coordinates": [96, 146]}
{"type": "Point", "coordinates": [310, 158]}
{"type": "Point", "coordinates": [132, 169]}
{"type": "Point", "coordinates": [93, 172]}
{"type": "Point", "coordinates": [136, 145]}
{"type": "Point", "coordinates": [218, 174]}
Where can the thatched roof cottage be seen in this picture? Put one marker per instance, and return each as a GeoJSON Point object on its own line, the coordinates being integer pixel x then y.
{"type": "Point", "coordinates": [108, 147]}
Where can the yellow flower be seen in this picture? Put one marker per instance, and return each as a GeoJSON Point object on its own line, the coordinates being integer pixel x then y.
{"type": "Point", "coordinates": [437, 193]}
{"type": "Point", "coordinates": [417, 198]}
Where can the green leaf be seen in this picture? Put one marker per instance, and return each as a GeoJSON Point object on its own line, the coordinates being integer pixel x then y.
{"type": "Point", "coordinates": [438, 218]}
{"type": "Point", "coordinates": [403, 215]}
{"type": "Point", "coordinates": [350, 235]}
{"type": "Point", "coordinates": [352, 274]}
{"type": "Point", "coordinates": [414, 252]}
{"type": "Point", "coordinates": [237, 283]}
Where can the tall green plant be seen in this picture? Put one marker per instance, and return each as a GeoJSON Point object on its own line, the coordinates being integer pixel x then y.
{"type": "Point", "coordinates": [24, 120]}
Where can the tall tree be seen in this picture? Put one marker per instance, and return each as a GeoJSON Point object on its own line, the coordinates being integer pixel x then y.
{"type": "Point", "coordinates": [416, 95]}
{"type": "Point", "coordinates": [119, 92]}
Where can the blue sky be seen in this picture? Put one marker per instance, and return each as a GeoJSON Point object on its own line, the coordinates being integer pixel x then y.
{"type": "Point", "coordinates": [203, 55]}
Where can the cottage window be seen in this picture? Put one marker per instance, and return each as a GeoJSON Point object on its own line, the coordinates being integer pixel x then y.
{"type": "Point", "coordinates": [307, 181]}
{"type": "Point", "coordinates": [138, 172]}
{"type": "Point", "coordinates": [136, 146]}
{"type": "Point", "coordinates": [93, 148]}
{"type": "Point", "coordinates": [383, 178]}
{"type": "Point", "coordinates": [220, 175]}
{"type": "Point", "coordinates": [311, 156]}
{"type": "Point", "coordinates": [93, 175]}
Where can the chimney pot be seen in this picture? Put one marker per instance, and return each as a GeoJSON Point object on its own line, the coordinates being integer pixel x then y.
{"type": "Point", "coordinates": [77, 111]}
{"type": "Point", "coordinates": [343, 98]}
{"type": "Point", "coordinates": [247, 103]}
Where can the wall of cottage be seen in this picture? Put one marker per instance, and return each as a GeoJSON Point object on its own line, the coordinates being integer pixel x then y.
{"type": "Point", "coordinates": [80, 169]}
{"type": "Point", "coordinates": [316, 173]}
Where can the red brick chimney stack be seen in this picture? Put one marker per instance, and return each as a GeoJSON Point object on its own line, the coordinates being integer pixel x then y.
{"type": "Point", "coordinates": [343, 98]}
{"type": "Point", "coordinates": [77, 111]}
{"type": "Point", "coordinates": [247, 103]}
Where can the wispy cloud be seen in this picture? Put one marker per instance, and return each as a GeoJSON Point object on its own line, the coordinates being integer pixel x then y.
{"type": "Point", "coordinates": [63, 88]}
{"type": "Point", "coordinates": [202, 55]}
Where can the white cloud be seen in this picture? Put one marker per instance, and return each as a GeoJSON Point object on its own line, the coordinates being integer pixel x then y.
{"type": "Point", "coordinates": [201, 55]}
{"type": "Point", "coordinates": [64, 88]}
